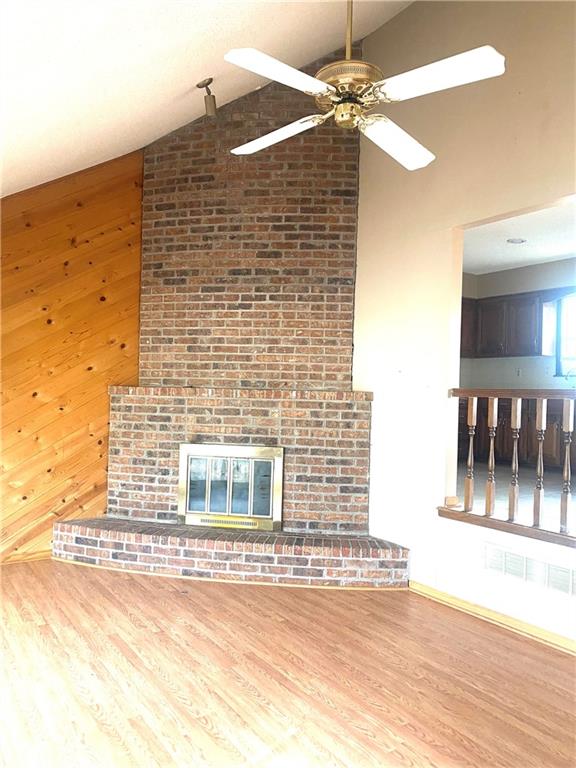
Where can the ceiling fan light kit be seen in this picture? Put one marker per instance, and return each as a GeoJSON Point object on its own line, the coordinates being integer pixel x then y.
{"type": "Point", "coordinates": [349, 89]}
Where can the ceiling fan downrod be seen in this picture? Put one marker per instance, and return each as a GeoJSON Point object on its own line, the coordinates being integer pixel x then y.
{"type": "Point", "coordinates": [349, 31]}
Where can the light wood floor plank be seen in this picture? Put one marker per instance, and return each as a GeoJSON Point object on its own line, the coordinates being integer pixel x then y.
{"type": "Point", "coordinates": [118, 669]}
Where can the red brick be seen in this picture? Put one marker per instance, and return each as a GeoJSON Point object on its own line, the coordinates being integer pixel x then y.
{"type": "Point", "coordinates": [263, 265]}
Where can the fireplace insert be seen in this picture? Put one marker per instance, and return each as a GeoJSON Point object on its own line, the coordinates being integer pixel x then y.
{"type": "Point", "coordinates": [230, 486]}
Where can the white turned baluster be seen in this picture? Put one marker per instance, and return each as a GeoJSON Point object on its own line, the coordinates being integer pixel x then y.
{"type": "Point", "coordinates": [515, 417]}
{"type": "Point", "coordinates": [565, 500]}
{"type": "Point", "coordinates": [469, 481]}
{"type": "Point", "coordinates": [541, 405]}
{"type": "Point", "coordinates": [491, 481]}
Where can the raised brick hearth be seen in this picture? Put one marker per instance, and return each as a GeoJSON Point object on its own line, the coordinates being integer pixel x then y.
{"type": "Point", "coordinates": [179, 550]}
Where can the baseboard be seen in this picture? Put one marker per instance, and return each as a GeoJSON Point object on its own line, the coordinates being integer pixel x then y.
{"type": "Point", "coordinates": [44, 554]}
{"type": "Point", "coordinates": [514, 625]}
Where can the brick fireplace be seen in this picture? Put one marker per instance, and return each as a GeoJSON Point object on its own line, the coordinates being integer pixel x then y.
{"type": "Point", "coordinates": [325, 436]}
{"type": "Point", "coordinates": [247, 304]}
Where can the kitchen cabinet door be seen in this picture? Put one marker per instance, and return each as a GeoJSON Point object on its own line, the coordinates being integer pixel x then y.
{"type": "Point", "coordinates": [509, 326]}
{"type": "Point", "coordinates": [523, 326]}
{"type": "Point", "coordinates": [468, 328]}
{"type": "Point", "coordinates": [491, 334]}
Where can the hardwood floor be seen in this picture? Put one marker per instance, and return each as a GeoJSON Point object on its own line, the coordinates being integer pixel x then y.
{"type": "Point", "coordinates": [113, 669]}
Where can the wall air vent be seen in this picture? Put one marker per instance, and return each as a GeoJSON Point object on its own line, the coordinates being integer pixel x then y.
{"type": "Point", "coordinates": [528, 569]}
{"type": "Point", "coordinates": [559, 578]}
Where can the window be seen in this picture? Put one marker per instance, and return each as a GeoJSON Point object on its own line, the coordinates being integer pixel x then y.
{"type": "Point", "coordinates": [559, 333]}
{"type": "Point", "coordinates": [566, 336]}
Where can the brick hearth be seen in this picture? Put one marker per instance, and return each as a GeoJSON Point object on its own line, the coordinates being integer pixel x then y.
{"type": "Point", "coordinates": [179, 550]}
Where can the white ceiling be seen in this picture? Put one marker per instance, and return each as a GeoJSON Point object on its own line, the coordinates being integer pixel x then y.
{"type": "Point", "coordinates": [86, 81]}
{"type": "Point", "coordinates": [550, 235]}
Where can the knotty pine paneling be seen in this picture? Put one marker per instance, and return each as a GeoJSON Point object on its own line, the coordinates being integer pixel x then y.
{"type": "Point", "coordinates": [70, 309]}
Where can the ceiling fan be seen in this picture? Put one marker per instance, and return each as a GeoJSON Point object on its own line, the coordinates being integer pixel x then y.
{"type": "Point", "coordinates": [348, 89]}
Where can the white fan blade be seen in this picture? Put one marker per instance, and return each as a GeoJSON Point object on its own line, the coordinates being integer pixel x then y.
{"type": "Point", "coordinates": [396, 142]}
{"type": "Point", "coordinates": [469, 67]}
{"type": "Point", "coordinates": [272, 69]}
{"type": "Point", "coordinates": [304, 124]}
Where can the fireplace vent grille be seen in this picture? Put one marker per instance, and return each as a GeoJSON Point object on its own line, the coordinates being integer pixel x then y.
{"type": "Point", "coordinates": [225, 521]}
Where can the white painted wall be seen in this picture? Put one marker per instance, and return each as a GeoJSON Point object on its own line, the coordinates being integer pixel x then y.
{"type": "Point", "coordinates": [502, 146]}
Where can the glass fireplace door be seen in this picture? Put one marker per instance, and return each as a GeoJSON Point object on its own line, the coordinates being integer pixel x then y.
{"type": "Point", "coordinates": [234, 486]}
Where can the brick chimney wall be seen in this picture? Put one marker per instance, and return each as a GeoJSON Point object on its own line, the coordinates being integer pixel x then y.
{"type": "Point", "coordinates": [249, 262]}
{"type": "Point", "coordinates": [247, 315]}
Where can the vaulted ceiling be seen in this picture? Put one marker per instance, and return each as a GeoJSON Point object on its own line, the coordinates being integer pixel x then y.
{"type": "Point", "coordinates": [86, 82]}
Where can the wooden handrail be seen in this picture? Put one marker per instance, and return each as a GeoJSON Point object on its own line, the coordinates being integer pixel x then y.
{"type": "Point", "coordinates": [504, 525]}
{"type": "Point", "coordinates": [526, 394]}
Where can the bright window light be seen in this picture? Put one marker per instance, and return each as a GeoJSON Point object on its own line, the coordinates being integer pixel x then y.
{"type": "Point", "coordinates": [568, 335]}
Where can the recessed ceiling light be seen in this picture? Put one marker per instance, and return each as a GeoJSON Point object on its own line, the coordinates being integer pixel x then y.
{"type": "Point", "coordinates": [516, 240]}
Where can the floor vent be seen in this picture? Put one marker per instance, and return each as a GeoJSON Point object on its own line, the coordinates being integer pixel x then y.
{"type": "Point", "coordinates": [537, 572]}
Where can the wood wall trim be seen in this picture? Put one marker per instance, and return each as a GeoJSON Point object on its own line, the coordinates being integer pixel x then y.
{"type": "Point", "coordinates": [70, 316]}
{"type": "Point", "coordinates": [516, 529]}
{"type": "Point", "coordinates": [514, 625]}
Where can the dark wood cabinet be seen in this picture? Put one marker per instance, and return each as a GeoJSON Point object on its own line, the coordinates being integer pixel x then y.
{"type": "Point", "coordinates": [468, 330]}
{"type": "Point", "coordinates": [492, 325]}
{"type": "Point", "coordinates": [502, 326]}
{"type": "Point", "coordinates": [523, 335]}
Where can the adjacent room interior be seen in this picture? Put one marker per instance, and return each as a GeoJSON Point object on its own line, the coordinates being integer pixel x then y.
{"type": "Point", "coordinates": [288, 396]}
{"type": "Point", "coordinates": [517, 332]}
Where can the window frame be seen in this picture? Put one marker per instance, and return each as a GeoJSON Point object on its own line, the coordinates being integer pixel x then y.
{"type": "Point", "coordinates": [558, 340]}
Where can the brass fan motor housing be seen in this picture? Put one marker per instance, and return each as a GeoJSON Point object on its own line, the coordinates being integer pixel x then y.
{"type": "Point", "coordinates": [347, 114]}
{"type": "Point", "coordinates": [350, 77]}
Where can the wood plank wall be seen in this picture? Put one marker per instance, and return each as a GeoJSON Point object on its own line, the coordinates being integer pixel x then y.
{"type": "Point", "coordinates": [70, 311]}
